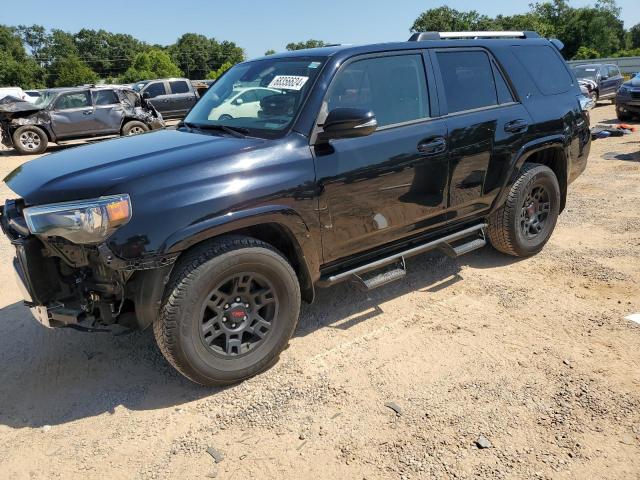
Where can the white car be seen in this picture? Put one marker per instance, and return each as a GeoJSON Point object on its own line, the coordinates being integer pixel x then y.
{"type": "Point", "coordinates": [13, 92]}
{"type": "Point", "coordinates": [243, 103]}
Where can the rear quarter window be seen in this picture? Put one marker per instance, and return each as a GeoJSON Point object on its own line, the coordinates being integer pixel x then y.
{"type": "Point", "coordinates": [545, 67]}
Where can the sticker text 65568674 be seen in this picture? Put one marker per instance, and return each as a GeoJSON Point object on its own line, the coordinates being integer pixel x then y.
{"type": "Point", "coordinates": [288, 82]}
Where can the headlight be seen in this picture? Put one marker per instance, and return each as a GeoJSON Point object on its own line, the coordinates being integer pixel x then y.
{"type": "Point", "coordinates": [85, 221]}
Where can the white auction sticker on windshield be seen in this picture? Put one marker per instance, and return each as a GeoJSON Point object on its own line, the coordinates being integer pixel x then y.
{"type": "Point", "coordinates": [288, 82]}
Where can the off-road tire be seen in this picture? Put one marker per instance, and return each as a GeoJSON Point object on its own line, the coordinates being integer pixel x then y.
{"type": "Point", "coordinates": [134, 127]}
{"type": "Point", "coordinates": [37, 144]}
{"type": "Point", "coordinates": [504, 231]}
{"type": "Point", "coordinates": [177, 328]}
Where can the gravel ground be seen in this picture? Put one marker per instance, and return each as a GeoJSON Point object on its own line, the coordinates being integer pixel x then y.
{"type": "Point", "coordinates": [530, 358]}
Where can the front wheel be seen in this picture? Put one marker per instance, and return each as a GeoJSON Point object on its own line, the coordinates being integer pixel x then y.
{"type": "Point", "coordinates": [524, 223]}
{"type": "Point", "coordinates": [30, 140]}
{"type": "Point", "coordinates": [229, 309]}
{"type": "Point", "coordinates": [134, 127]}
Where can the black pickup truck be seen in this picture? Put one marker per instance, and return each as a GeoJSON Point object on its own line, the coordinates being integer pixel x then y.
{"type": "Point", "coordinates": [346, 161]}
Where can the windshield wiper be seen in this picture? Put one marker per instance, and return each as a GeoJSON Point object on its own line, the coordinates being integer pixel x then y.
{"type": "Point", "coordinates": [237, 132]}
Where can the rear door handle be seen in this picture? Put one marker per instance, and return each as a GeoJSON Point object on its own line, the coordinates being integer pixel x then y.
{"type": "Point", "coordinates": [517, 125]}
{"type": "Point", "coordinates": [433, 146]}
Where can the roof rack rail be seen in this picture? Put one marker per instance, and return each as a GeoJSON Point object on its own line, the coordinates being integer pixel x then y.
{"type": "Point", "coordinates": [421, 36]}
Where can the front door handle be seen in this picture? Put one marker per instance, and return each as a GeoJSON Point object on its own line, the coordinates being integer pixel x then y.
{"type": "Point", "coordinates": [87, 112]}
{"type": "Point", "coordinates": [515, 126]}
{"type": "Point", "coordinates": [433, 146]}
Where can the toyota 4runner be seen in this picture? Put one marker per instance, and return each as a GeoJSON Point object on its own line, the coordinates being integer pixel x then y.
{"type": "Point", "coordinates": [351, 160]}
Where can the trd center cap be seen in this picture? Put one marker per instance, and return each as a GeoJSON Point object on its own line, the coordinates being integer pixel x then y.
{"type": "Point", "coordinates": [237, 315]}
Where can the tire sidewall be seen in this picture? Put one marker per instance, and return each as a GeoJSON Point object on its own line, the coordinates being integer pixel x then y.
{"type": "Point", "coordinates": [30, 128]}
{"type": "Point", "coordinates": [544, 177]}
{"type": "Point", "coordinates": [217, 368]}
{"type": "Point", "coordinates": [134, 123]}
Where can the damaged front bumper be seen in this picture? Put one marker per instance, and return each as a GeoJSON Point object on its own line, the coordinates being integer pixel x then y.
{"type": "Point", "coordinates": [84, 287]}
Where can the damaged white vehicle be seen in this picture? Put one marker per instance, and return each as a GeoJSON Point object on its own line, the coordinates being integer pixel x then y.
{"type": "Point", "coordinates": [64, 114]}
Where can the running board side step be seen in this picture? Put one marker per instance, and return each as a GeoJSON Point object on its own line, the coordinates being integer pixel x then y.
{"type": "Point", "coordinates": [399, 271]}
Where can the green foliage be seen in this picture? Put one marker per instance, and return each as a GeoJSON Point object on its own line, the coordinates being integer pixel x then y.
{"type": "Point", "coordinates": [155, 63]}
{"type": "Point", "coordinates": [596, 28]}
{"type": "Point", "coordinates": [214, 74]}
{"type": "Point", "coordinates": [198, 55]}
{"type": "Point", "coordinates": [269, 52]}
{"type": "Point", "coordinates": [111, 54]}
{"type": "Point", "coordinates": [634, 52]}
{"type": "Point", "coordinates": [71, 71]}
{"type": "Point", "coordinates": [586, 53]}
{"type": "Point", "coordinates": [306, 44]}
{"type": "Point", "coordinates": [634, 36]}
{"type": "Point", "coordinates": [16, 67]}
{"type": "Point", "coordinates": [444, 19]}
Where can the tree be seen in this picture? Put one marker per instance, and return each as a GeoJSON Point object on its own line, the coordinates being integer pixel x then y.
{"type": "Point", "coordinates": [449, 19]}
{"type": "Point", "coordinates": [198, 55]}
{"type": "Point", "coordinates": [152, 64]}
{"type": "Point", "coordinates": [306, 44]}
{"type": "Point", "coordinates": [634, 36]}
{"type": "Point", "coordinates": [586, 53]}
{"type": "Point", "coordinates": [71, 71]}
{"type": "Point", "coordinates": [214, 74]}
{"type": "Point", "coordinates": [109, 54]}
{"type": "Point", "coordinates": [269, 52]}
{"type": "Point", "coordinates": [16, 67]}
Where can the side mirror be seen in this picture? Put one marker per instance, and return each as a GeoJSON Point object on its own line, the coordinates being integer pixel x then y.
{"type": "Point", "coordinates": [146, 95]}
{"type": "Point", "coordinates": [348, 123]}
{"type": "Point", "coordinates": [239, 101]}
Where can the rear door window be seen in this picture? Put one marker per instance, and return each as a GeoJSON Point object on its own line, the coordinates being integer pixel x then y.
{"type": "Point", "coordinates": [545, 67]}
{"type": "Point", "coordinates": [179, 86]}
{"type": "Point", "coordinates": [468, 80]}
{"type": "Point", "coordinates": [105, 97]}
{"type": "Point", "coordinates": [393, 87]}
{"type": "Point", "coordinates": [154, 89]}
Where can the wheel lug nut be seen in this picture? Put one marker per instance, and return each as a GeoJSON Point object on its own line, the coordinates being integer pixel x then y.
{"type": "Point", "coordinates": [233, 325]}
{"type": "Point", "coordinates": [238, 299]}
{"type": "Point", "coordinates": [224, 319]}
{"type": "Point", "coordinates": [246, 305]}
{"type": "Point", "coordinates": [226, 306]}
{"type": "Point", "coordinates": [244, 318]}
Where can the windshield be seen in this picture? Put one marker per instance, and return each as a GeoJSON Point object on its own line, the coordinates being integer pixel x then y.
{"type": "Point", "coordinates": [262, 97]}
{"type": "Point", "coordinates": [590, 73]}
{"type": "Point", "coordinates": [139, 86]}
{"type": "Point", "coordinates": [45, 98]}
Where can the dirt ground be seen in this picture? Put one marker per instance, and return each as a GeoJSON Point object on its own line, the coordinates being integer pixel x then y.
{"type": "Point", "coordinates": [535, 355]}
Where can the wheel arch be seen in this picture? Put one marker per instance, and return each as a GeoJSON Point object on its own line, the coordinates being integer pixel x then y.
{"type": "Point", "coordinates": [549, 151]}
{"type": "Point", "coordinates": [281, 227]}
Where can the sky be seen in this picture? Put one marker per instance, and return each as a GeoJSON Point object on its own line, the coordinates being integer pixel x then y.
{"type": "Point", "coordinates": [256, 26]}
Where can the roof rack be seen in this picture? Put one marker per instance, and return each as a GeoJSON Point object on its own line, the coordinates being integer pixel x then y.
{"type": "Point", "coordinates": [421, 36]}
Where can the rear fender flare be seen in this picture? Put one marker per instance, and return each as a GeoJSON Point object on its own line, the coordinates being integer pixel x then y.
{"type": "Point", "coordinates": [521, 157]}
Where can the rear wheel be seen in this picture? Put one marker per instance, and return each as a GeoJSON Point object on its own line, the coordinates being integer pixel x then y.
{"type": "Point", "coordinates": [229, 310]}
{"type": "Point", "coordinates": [523, 225]}
{"type": "Point", "coordinates": [623, 116]}
{"type": "Point", "coordinates": [134, 127]}
{"type": "Point", "coordinates": [30, 140]}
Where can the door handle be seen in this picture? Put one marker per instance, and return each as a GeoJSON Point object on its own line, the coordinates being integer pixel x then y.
{"type": "Point", "coordinates": [433, 146]}
{"type": "Point", "coordinates": [165, 101]}
{"type": "Point", "coordinates": [87, 112]}
{"type": "Point", "coordinates": [517, 125]}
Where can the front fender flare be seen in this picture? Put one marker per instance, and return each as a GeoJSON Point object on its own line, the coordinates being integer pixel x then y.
{"type": "Point", "coordinates": [300, 235]}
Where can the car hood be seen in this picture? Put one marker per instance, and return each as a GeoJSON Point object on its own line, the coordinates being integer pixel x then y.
{"type": "Point", "coordinates": [634, 82]}
{"type": "Point", "coordinates": [90, 171]}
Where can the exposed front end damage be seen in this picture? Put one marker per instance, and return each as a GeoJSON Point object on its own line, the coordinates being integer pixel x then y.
{"type": "Point", "coordinates": [82, 286]}
{"type": "Point", "coordinates": [15, 113]}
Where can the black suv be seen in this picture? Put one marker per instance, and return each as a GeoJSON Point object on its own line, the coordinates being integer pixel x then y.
{"type": "Point", "coordinates": [350, 160]}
